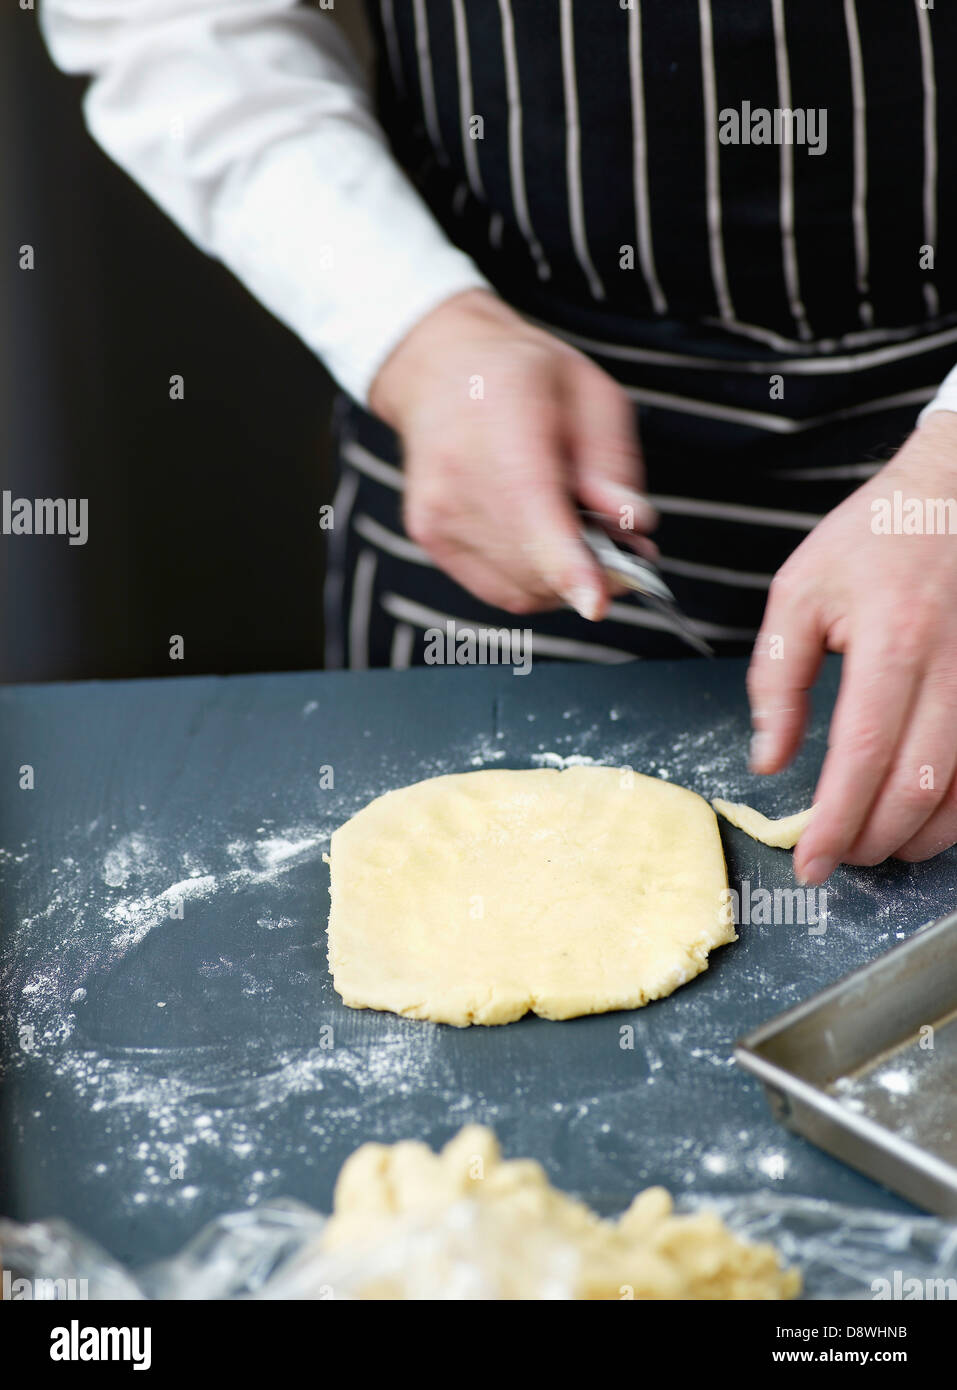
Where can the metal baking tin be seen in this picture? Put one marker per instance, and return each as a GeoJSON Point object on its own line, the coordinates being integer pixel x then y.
{"type": "Point", "coordinates": [867, 1068]}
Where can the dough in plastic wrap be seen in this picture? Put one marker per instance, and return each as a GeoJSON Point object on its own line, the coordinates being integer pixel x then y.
{"type": "Point", "coordinates": [476, 897]}
{"type": "Point", "coordinates": [475, 1225]}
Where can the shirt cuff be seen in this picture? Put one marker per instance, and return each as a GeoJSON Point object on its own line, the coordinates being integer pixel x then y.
{"type": "Point", "coordinates": [946, 398]}
{"type": "Point", "coordinates": [350, 264]}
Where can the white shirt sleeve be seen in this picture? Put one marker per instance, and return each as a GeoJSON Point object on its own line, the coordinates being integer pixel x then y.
{"type": "Point", "coordinates": [249, 122]}
{"type": "Point", "coordinates": [946, 398]}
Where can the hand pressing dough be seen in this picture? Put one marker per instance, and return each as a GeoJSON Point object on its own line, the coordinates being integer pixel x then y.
{"type": "Point", "coordinates": [464, 1223]}
{"type": "Point", "coordinates": [477, 897]}
{"type": "Point", "coordinates": [779, 834]}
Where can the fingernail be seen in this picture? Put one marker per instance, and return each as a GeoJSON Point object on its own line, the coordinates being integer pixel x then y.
{"type": "Point", "coordinates": [585, 602]}
{"type": "Point", "coordinates": [816, 872]}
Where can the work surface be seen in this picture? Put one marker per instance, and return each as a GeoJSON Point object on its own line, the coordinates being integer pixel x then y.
{"type": "Point", "coordinates": [160, 1070]}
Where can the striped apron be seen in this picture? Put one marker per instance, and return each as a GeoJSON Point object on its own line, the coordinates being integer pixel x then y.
{"type": "Point", "coordinates": [734, 208]}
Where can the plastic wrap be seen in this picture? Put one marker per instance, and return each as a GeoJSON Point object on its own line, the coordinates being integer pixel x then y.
{"type": "Point", "coordinates": [272, 1252]}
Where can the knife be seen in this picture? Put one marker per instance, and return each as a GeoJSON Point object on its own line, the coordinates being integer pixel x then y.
{"type": "Point", "coordinates": [641, 577]}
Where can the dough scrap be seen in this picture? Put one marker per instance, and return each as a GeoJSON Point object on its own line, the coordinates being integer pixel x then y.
{"type": "Point", "coordinates": [466, 1223]}
{"type": "Point", "coordinates": [476, 897]}
{"type": "Point", "coordinates": [779, 834]}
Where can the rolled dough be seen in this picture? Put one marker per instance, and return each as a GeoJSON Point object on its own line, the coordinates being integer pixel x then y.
{"type": "Point", "coordinates": [465, 1223]}
{"type": "Point", "coordinates": [780, 834]}
{"type": "Point", "coordinates": [476, 897]}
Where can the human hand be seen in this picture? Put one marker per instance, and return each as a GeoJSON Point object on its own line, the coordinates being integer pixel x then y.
{"type": "Point", "coordinates": [504, 429]}
{"type": "Point", "coordinates": [889, 603]}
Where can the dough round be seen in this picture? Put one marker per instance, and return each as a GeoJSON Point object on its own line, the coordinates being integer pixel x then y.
{"type": "Point", "coordinates": [477, 897]}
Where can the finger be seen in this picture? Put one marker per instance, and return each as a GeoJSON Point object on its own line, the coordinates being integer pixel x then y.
{"type": "Point", "coordinates": [536, 501]}
{"type": "Point", "coordinates": [784, 665]}
{"type": "Point", "coordinates": [920, 776]}
{"type": "Point", "coordinates": [602, 439]}
{"type": "Point", "coordinates": [878, 687]}
{"type": "Point", "coordinates": [487, 581]}
{"type": "Point", "coordinates": [642, 545]}
{"type": "Point", "coordinates": [936, 834]}
{"type": "Point", "coordinates": [520, 547]}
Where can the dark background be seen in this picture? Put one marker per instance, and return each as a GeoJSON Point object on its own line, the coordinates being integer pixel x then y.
{"type": "Point", "coordinates": [203, 513]}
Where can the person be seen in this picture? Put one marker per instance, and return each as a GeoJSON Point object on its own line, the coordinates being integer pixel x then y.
{"type": "Point", "coordinates": [684, 265]}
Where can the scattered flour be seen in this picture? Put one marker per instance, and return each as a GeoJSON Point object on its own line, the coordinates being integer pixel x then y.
{"type": "Point", "coordinates": [898, 1082]}
{"type": "Point", "coordinates": [140, 915]}
{"type": "Point", "coordinates": [560, 760]}
{"type": "Point", "coordinates": [133, 853]}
